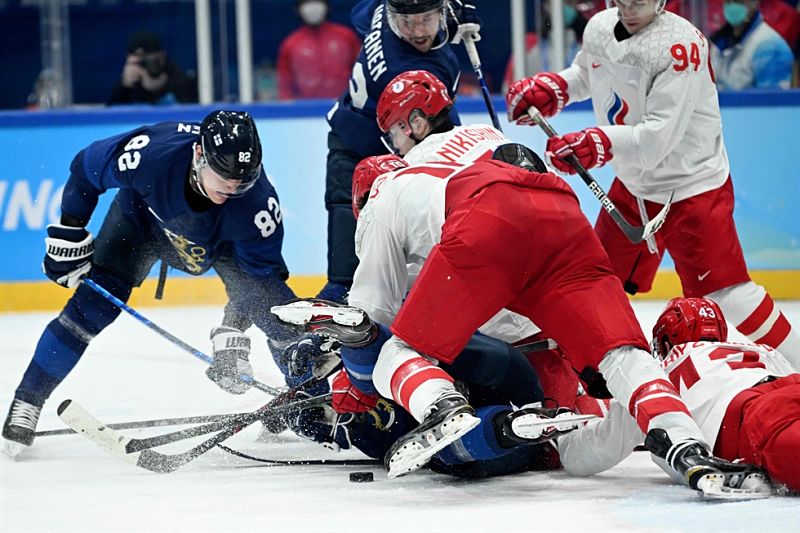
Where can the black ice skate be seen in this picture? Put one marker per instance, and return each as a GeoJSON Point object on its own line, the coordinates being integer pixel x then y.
{"type": "Point", "coordinates": [349, 325]}
{"type": "Point", "coordinates": [448, 420]}
{"type": "Point", "coordinates": [19, 426]}
{"type": "Point", "coordinates": [533, 424]}
{"type": "Point", "coordinates": [713, 477]}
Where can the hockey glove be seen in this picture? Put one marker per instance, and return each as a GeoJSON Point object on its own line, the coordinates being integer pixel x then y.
{"type": "Point", "coordinates": [463, 21]}
{"type": "Point", "coordinates": [69, 254]}
{"type": "Point", "coordinates": [347, 398]}
{"type": "Point", "coordinates": [296, 359]}
{"type": "Point", "coordinates": [546, 91]}
{"type": "Point", "coordinates": [230, 364]}
{"type": "Point", "coordinates": [591, 146]}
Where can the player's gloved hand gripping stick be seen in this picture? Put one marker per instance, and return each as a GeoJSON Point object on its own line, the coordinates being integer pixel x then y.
{"type": "Point", "coordinates": [635, 234]}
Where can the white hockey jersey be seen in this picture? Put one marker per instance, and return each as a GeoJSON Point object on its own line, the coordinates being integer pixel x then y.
{"type": "Point", "coordinates": [654, 96]}
{"type": "Point", "coordinates": [403, 220]}
{"type": "Point", "coordinates": [708, 376]}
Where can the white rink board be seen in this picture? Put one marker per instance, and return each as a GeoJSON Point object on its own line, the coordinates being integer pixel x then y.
{"type": "Point", "coordinates": [129, 373]}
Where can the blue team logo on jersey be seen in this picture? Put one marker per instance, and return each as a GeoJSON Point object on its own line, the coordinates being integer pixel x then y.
{"type": "Point", "coordinates": [618, 110]}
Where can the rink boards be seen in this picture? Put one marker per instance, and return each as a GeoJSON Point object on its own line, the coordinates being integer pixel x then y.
{"type": "Point", "coordinates": [36, 150]}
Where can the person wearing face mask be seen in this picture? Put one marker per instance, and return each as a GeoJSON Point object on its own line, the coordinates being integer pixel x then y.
{"type": "Point", "coordinates": [314, 61]}
{"type": "Point", "coordinates": [748, 53]}
{"type": "Point", "coordinates": [398, 35]}
{"type": "Point", "coordinates": [150, 76]}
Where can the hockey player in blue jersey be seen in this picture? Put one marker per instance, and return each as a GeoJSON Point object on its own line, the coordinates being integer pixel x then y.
{"type": "Point", "coordinates": [399, 35]}
{"type": "Point", "coordinates": [194, 196]}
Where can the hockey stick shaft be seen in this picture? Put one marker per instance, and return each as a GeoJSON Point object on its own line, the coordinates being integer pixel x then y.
{"type": "Point", "coordinates": [537, 346]}
{"type": "Point", "coordinates": [474, 58]}
{"type": "Point", "coordinates": [202, 419]}
{"type": "Point", "coordinates": [635, 234]}
{"type": "Point", "coordinates": [116, 444]}
{"type": "Point", "coordinates": [169, 336]}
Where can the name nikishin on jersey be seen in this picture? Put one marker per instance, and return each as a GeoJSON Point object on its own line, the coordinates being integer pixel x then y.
{"type": "Point", "coordinates": [373, 48]}
{"type": "Point", "coordinates": [466, 139]}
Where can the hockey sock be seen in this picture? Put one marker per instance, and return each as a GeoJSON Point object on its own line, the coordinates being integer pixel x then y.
{"type": "Point", "coordinates": [754, 314]}
{"type": "Point", "coordinates": [482, 443]}
{"type": "Point", "coordinates": [635, 379]}
{"type": "Point", "coordinates": [56, 355]}
{"type": "Point", "coordinates": [360, 362]}
{"type": "Point", "coordinates": [417, 383]}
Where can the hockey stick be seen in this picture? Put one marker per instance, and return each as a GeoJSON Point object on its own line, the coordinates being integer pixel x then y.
{"type": "Point", "coordinates": [304, 462]}
{"type": "Point", "coordinates": [474, 58]}
{"type": "Point", "coordinates": [170, 337]}
{"type": "Point", "coordinates": [635, 234]}
{"type": "Point", "coordinates": [203, 419]}
{"type": "Point", "coordinates": [537, 346]}
{"type": "Point", "coordinates": [117, 444]}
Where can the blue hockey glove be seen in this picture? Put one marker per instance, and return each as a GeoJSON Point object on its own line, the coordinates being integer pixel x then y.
{"type": "Point", "coordinates": [296, 359]}
{"type": "Point", "coordinates": [231, 353]}
{"type": "Point", "coordinates": [463, 21]}
{"type": "Point", "coordinates": [69, 254]}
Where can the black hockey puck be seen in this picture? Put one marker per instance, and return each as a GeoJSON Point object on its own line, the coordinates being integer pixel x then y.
{"type": "Point", "coordinates": [361, 477]}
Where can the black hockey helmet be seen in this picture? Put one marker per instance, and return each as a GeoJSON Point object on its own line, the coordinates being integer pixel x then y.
{"type": "Point", "coordinates": [410, 7]}
{"type": "Point", "coordinates": [231, 147]}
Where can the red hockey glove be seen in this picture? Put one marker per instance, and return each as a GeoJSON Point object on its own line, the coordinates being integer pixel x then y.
{"type": "Point", "coordinates": [546, 91]}
{"type": "Point", "coordinates": [347, 398]}
{"type": "Point", "coordinates": [591, 146]}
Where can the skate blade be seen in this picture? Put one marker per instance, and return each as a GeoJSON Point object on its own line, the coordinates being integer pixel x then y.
{"type": "Point", "coordinates": [532, 426]}
{"type": "Point", "coordinates": [754, 487]}
{"type": "Point", "coordinates": [413, 455]}
{"type": "Point", "coordinates": [12, 449]}
{"type": "Point", "coordinates": [302, 312]}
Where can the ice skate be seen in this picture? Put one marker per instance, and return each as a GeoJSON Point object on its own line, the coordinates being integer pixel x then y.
{"type": "Point", "coordinates": [19, 427]}
{"type": "Point", "coordinates": [448, 420]}
{"type": "Point", "coordinates": [713, 477]}
{"type": "Point", "coordinates": [532, 424]}
{"type": "Point", "coordinates": [349, 325]}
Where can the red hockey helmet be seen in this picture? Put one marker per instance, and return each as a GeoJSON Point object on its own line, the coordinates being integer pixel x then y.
{"type": "Point", "coordinates": [687, 320]}
{"type": "Point", "coordinates": [414, 90]}
{"type": "Point", "coordinates": [365, 174]}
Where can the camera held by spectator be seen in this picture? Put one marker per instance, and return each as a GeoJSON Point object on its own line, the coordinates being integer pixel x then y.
{"type": "Point", "coordinates": [149, 76]}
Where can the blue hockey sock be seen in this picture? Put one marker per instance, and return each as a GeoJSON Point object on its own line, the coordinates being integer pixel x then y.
{"type": "Point", "coordinates": [480, 444]}
{"type": "Point", "coordinates": [360, 362]}
{"type": "Point", "coordinates": [56, 355]}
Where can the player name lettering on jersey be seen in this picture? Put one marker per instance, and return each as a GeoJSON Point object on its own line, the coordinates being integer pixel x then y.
{"type": "Point", "coordinates": [373, 49]}
{"type": "Point", "coordinates": [466, 139]}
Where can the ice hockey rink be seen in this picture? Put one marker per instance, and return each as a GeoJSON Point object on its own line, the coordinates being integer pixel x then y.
{"type": "Point", "coordinates": [66, 483]}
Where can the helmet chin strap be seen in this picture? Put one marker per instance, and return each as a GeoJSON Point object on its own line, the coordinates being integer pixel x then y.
{"type": "Point", "coordinates": [194, 177]}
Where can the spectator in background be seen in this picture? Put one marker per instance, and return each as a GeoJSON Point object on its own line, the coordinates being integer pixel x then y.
{"type": "Point", "coordinates": [748, 53]}
{"type": "Point", "coordinates": [150, 77]}
{"type": "Point", "coordinates": [539, 53]}
{"type": "Point", "coordinates": [315, 60]}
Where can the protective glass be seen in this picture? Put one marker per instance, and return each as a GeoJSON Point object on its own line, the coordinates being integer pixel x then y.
{"type": "Point", "coordinates": [398, 139]}
{"type": "Point", "coordinates": [417, 25]}
{"type": "Point", "coordinates": [210, 180]}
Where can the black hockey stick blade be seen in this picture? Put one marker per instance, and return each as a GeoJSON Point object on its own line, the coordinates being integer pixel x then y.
{"type": "Point", "coordinates": [635, 234]}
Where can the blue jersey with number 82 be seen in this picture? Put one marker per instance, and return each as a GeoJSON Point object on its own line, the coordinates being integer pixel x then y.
{"type": "Point", "coordinates": [150, 166]}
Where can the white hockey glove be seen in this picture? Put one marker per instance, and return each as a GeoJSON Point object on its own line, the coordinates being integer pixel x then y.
{"type": "Point", "coordinates": [230, 364]}
{"type": "Point", "coordinates": [68, 254]}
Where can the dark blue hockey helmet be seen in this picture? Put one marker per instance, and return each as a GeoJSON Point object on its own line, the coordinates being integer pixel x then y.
{"type": "Point", "coordinates": [410, 7]}
{"type": "Point", "coordinates": [231, 148]}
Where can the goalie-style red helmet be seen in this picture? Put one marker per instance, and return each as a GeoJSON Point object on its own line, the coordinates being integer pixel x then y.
{"type": "Point", "coordinates": [365, 174]}
{"type": "Point", "coordinates": [414, 89]}
{"type": "Point", "coordinates": [688, 320]}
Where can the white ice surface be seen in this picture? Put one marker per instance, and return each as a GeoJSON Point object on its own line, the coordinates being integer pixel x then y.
{"type": "Point", "coordinates": [66, 483]}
